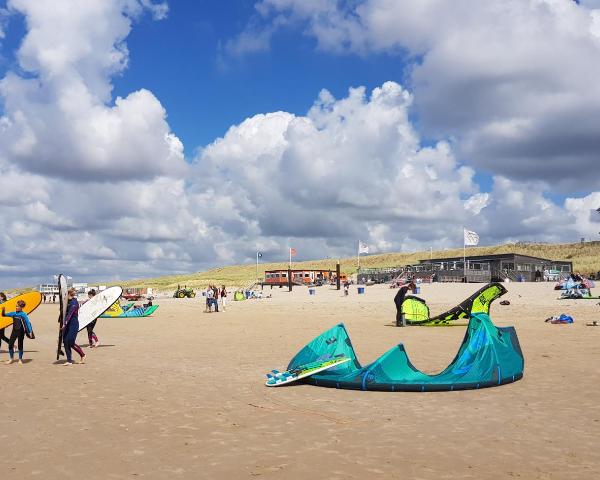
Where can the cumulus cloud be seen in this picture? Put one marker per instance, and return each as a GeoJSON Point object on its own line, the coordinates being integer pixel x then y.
{"type": "Point", "coordinates": [59, 119]}
{"type": "Point", "coordinates": [514, 82]}
{"type": "Point", "coordinates": [97, 187]}
{"type": "Point", "coordinates": [351, 168]}
{"type": "Point", "coordinates": [86, 178]}
{"type": "Point", "coordinates": [585, 215]}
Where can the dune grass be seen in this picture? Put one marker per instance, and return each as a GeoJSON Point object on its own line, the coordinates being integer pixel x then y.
{"type": "Point", "coordinates": [585, 258]}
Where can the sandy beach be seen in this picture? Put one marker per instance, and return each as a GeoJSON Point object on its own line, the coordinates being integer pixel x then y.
{"type": "Point", "coordinates": [181, 394]}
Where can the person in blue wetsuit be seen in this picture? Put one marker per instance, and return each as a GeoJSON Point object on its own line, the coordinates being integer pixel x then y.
{"type": "Point", "coordinates": [71, 328]}
{"type": "Point", "coordinates": [21, 327]}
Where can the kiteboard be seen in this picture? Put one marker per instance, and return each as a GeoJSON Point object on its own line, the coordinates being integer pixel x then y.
{"type": "Point", "coordinates": [63, 298]}
{"type": "Point", "coordinates": [275, 378]}
{"type": "Point", "coordinates": [97, 305]}
{"type": "Point", "coordinates": [578, 298]}
{"type": "Point", "coordinates": [32, 301]}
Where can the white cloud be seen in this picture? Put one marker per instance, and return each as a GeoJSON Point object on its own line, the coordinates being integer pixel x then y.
{"type": "Point", "coordinates": [98, 187]}
{"type": "Point", "coordinates": [341, 171]}
{"type": "Point", "coordinates": [513, 81]}
{"type": "Point", "coordinates": [585, 215]}
{"type": "Point", "coordinates": [59, 119]}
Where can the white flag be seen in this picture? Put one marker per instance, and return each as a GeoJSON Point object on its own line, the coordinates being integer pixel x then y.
{"type": "Point", "coordinates": [471, 238]}
{"type": "Point", "coordinates": [362, 247]}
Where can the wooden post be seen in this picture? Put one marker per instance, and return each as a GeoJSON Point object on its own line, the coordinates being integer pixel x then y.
{"type": "Point", "coordinates": [290, 279]}
{"type": "Point", "coordinates": [337, 273]}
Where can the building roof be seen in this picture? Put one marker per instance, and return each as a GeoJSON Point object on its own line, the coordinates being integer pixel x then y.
{"type": "Point", "coordinates": [500, 256]}
{"type": "Point", "coordinates": [302, 270]}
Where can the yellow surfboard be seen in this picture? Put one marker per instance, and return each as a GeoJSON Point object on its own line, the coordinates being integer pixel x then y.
{"type": "Point", "coordinates": [32, 301]}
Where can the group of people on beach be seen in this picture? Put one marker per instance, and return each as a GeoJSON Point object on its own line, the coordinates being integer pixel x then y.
{"type": "Point", "coordinates": [215, 296]}
{"type": "Point", "coordinates": [69, 328]}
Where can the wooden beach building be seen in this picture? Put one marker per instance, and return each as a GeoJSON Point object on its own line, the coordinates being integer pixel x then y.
{"type": "Point", "coordinates": [478, 268]}
{"type": "Point", "coordinates": [301, 277]}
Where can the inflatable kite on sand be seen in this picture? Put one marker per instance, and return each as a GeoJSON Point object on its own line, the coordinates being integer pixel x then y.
{"type": "Point", "coordinates": [416, 311]}
{"type": "Point", "coordinates": [128, 311]}
{"type": "Point", "coordinates": [488, 356]}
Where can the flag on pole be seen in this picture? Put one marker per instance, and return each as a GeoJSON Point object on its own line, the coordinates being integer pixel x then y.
{"type": "Point", "coordinates": [471, 238]}
{"type": "Point", "coordinates": [292, 252]}
{"type": "Point", "coordinates": [362, 247]}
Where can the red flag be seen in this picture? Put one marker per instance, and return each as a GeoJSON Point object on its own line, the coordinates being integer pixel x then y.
{"type": "Point", "coordinates": [293, 252]}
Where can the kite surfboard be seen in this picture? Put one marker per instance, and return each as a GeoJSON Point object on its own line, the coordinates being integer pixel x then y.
{"type": "Point", "coordinates": [97, 305]}
{"type": "Point", "coordinates": [63, 298]}
{"type": "Point", "coordinates": [32, 301]}
{"type": "Point", "coordinates": [578, 298]}
{"type": "Point", "coordinates": [276, 378]}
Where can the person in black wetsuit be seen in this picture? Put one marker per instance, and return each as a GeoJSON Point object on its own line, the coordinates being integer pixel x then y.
{"type": "Point", "coordinates": [71, 327]}
{"type": "Point", "coordinates": [2, 336]}
{"type": "Point", "coordinates": [92, 338]}
{"type": "Point", "coordinates": [399, 300]}
{"type": "Point", "coordinates": [21, 327]}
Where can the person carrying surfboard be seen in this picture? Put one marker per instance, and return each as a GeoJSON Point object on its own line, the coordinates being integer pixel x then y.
{"type": "Point", "coordinates": [2, 336]}
{"type": "Point", "coordinates": [71, 327]}
{"type": "Point", "coordinates": [92, 337]}
{"type": "Point", "coordinates": [21, 327]}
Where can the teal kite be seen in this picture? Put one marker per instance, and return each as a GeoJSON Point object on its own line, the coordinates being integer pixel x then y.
{"type": "Point", "coordinates": [488, 356]}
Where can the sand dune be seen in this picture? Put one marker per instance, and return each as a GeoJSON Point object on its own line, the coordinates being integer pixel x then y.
{"type": "Point", "coordinates": [181, 394]}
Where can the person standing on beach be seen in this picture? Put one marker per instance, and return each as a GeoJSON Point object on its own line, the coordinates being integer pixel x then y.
{"type": "Point", "coordinates": [2, 336]}
{"type": "Point", "coordinates": [92, 338]}
{"type": "Point", "coordinates": [223, 297]}
{"type": "Point", "coordinates": [346, 288]}
{"type": "Point", "coordinates": [21, 327]}
{"type": "Point", "coordinates": [71, 327]}
{"type": "Point", "coordinates": [209, 298]}
{"type": "Point", "coordinates": [216, 298]}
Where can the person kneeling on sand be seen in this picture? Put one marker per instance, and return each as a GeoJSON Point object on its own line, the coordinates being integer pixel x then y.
{"type": "Point", "coordinates": [21, 327]}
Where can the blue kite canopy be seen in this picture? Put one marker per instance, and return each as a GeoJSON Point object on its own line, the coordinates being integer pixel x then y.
{"type": "Point", "coordinates": [488, 356]}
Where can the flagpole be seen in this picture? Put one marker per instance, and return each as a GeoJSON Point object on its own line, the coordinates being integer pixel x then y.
{"type": "Point", "coordinates": [358, 257]}
{"type": "Point", "coordinates": [257, 266]}
{"type": "Point", "coordinates": [464, 256]}
{"type": "Point", "coordinates": [290, 258]}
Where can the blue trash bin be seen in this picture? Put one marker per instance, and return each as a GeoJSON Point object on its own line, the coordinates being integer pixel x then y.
{"type": "Point", "coordinates": [312, 291]}
{"type": "Point", "coordinates": [361, 290]}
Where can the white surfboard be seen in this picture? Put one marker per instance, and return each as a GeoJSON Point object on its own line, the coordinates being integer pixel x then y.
{"type": "Point", "coordinates": [97, 305]}
{"type": "Point", "coordinates": [276, 378]}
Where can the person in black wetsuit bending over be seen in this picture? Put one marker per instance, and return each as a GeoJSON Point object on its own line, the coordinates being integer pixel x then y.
{"type": "Point", "coordinates": [399, 300]}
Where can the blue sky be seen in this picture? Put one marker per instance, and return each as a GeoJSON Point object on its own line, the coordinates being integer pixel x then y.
{"type": "Point", "coordinates": [393, 123]}
{"type": "Point", "coordinates": [181, 60]}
